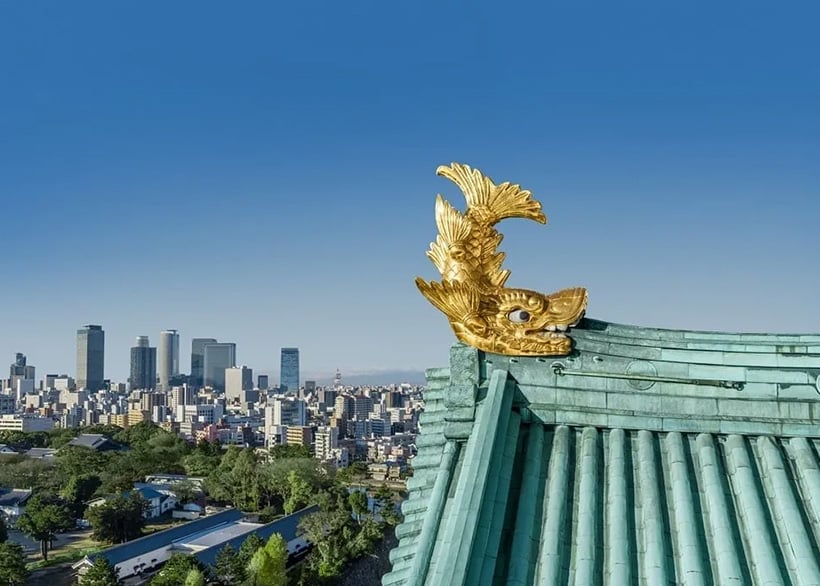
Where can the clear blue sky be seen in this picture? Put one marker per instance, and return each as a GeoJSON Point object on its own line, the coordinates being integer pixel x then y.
{"type": "Point", "coordinates": [263, 172]}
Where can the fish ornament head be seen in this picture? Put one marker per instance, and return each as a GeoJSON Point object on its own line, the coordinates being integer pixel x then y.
{"type": "Point", "coordinates": [482, 311]}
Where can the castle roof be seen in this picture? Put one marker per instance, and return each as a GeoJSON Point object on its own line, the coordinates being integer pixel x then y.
{"type": "Point", "coordinates": [646, 456]}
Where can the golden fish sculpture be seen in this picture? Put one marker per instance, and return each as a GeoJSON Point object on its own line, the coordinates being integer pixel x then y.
{"type": "Point", "coordinates": [482, 311]}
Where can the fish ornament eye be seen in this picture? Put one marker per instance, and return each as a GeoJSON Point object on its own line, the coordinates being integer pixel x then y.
{"type": "Point", "coordinates": [519, 316]}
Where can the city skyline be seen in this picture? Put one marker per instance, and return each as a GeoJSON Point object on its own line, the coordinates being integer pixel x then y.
{"type": "Point", "coordinates": [277, 189]}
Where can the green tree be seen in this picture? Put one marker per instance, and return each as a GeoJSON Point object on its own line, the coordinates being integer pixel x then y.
{"type": "Point", "coordinates": [4, 532]}
{"type": "Point", "coordinates": [330, 533]}
{"type": "Point", "coordinates": [358, 503]}
{"type": "Point", "coordinates": [369, 532]}
{"type": "Point", "coordinates": [176, 570]}
{"type": "Point", "coordinates": [195, 577]}
{"type": "Point", "coordinates": [229, 566]}
{"type": "Point", "coordinates": [300, 493]}
{"type": "Point", "coordinates": [79, 489]}
{"type": "Point", "coordinates": [185, 491]}
{"type": "Point", "coordinates": [119, 519]}
{"type": "Point", "coordinates": [13, 570]}
{"type": "Point", "coordinates": [267, 566]}
{"type": "Point", "coordinates": [289, 451]}
{"type": "Point", "coordinates": [44, 518]}
{"type": "Point", "coordinates": [102, 573]}
{"type": "Point", "coordinates": [249, 547]}
{"type": "Point", "coordinates": [353, 474]}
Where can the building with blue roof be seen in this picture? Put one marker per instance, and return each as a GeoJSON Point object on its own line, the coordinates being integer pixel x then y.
{"type": "Point", "coordinates": [203, 538]}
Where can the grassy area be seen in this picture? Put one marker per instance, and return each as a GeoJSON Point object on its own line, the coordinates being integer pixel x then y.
{"type": "Point", "coordinates": [72, 551]}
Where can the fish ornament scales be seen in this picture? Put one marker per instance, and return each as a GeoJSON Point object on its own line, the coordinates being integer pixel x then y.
{"type": "Point", "coordinates": [481, 310]}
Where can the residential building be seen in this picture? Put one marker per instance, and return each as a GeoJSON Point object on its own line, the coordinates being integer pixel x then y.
{"type": "Point", "coordinates": [25, 422]}
{"type": "Point", "coordinates": [289, 371]}
{"type": "Point", "coordinates": [143, 365]}
{"type": "Point", "coordinates": [91, 358]}
{"type": "Point", "coordinates": [299, 436]}
{"type": "Point", "coordinates": [237, 379]}
{"type": "Point", "coordinates": [327, 440]}
{"type": "Point", "coordinates": [168, 358]}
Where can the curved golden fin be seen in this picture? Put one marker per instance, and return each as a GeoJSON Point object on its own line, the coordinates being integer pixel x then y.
{"type": "Point", "coordinates": [489, 202]}
{"type": "Point", "coordinates": [456, 300]}
{"type": "Point", "coordinates": [567, 306]}
{"type": "Point", "coordinates": [453, 227]}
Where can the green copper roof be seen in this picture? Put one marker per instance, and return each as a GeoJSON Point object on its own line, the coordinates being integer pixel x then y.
{"type": "Point", "coordinates": [646, 457]}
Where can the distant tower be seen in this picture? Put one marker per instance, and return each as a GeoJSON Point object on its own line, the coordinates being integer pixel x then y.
{"type": "Point", "coordinates": [90, 358]}
{"type": "Point", "coordinates": [198, 361]}
{"type": "Point", "coordinates": [289, 370]}
{"type": "Point", "coordinates": [20, 370]}
{"type": "Point", "coordinates": [143, 365]}
{"type": "Point", "coordinates": [168, 358]}
{"type": "Point", "coordinates": [218, 357]}
{"type": "Point", "coordinates": [337, 380]}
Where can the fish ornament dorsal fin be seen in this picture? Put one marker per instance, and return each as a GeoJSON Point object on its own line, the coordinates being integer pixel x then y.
{"type": "Point", "coordinates": [491, 203]}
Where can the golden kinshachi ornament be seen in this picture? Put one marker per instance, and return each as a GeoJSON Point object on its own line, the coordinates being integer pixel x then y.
{"type": "Point", "coordinates": [482, 311]}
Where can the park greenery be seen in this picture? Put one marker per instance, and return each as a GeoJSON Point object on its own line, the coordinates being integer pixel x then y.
{"type": "Point", "coordinates": [13, 570]}
{"type": "Point", "coordinates": [279, 482]}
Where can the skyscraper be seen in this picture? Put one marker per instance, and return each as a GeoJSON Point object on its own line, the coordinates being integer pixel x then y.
{"type": "Point", "coordinates": [20, 370]}
{"type": "Point", "coordinates": [168, 357]}
{"type": "Point", "coordinates": [143, 365]}
{"type": "Point", "coordinates": [198, 361]}
{"type": "Point", "coordinates": [237, 379]}
{"type": "Point", "coordinates": [90, 357]}
{"type": "Point", "coordinates": [289, 370]}
{"type": "Point", "coordinates": [218, 357]}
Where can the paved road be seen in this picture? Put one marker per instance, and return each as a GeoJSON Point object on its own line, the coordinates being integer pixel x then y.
{"type": "Point", "coordinates": [32, 547]}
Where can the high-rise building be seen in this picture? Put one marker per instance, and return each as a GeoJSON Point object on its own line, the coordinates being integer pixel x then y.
{"type": "Point", "coordinates": [218, 357]}
{"type": "Point", "coordinates": [289, 371]}
{"type": "Point", "coordinates": [237, 379]}
{"type": "Point", "coordinates": [19, 370]}
{"type": "Point", "coordinates": [362, 406]}
{"type": "Point", "coordinates": [262, 382]}
{"type": "Point", "coordinates": [143, 365]}
{"type": "Point", "coordinates": [168, 358]}
{"type": "Point", "coordinates": [91, 358]}
{"type": "Point", "coordinates": [198, 361]}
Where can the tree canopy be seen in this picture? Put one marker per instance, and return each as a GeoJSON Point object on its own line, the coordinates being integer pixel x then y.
{"type": "Point", "coordinates": [267, 566]}
{"type": "Point", "coordinates": [102, 573]}
{"type": "Point", "coordinates": [176, 570]}
{"type": "Point", "coordinates": [13, 570]}
{"type": "Point", "coordinates": [119, 519]}
{"type": "Point", "coordinates": [45, 516]}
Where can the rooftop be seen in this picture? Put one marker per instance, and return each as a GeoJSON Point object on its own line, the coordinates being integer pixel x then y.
{"type": "Point", "coordinates": [645, 456]}
{"type": "Point", "coordinates": [13, 497]}
{"type": "Point", "coordinates": [94, 441]}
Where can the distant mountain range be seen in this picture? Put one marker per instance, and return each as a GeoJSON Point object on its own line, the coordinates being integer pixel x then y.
{"type": "Point", "coordinates": [377, 377]}
{"type": "Point", "coordinates": [365, 378]}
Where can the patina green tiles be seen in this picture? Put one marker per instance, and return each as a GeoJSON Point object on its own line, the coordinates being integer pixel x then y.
{"type": "Point", "coordinates": [638, 465]}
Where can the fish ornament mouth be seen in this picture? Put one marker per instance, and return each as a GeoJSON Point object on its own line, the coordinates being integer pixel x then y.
{"type": "Point", "coordinates": [481, 310]}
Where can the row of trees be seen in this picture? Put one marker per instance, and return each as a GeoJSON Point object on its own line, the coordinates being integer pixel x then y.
{"type": "Point", "coordinates": [285, 481]}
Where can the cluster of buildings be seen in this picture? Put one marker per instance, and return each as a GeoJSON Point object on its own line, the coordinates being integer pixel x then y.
{"type": "Point", "coordinates": [218, 401]}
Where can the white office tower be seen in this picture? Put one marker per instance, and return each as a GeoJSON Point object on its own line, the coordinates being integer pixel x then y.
{"type": "Point", "coordinates": [168, 359]}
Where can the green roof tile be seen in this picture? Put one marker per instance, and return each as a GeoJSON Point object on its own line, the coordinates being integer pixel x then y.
{"type": "Point", "coordinates": [598, 476]}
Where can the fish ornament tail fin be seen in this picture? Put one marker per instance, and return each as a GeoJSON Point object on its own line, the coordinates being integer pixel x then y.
{"type": "Point", "coordinates": [491, 203]}
{"type": "Point", "coordinates": [458, 301]}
